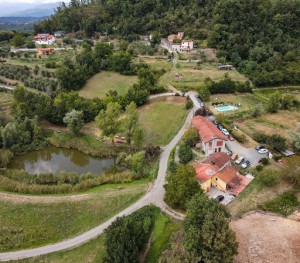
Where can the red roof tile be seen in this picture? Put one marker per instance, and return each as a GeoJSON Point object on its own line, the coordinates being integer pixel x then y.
{"type": "Point", "coordinates": [229, 176]}
{"type": "Point", "coordinates": [217, 160]}
{"type": "Point", "coordinates": [204, 172]}
{"type": "Point", "coordinates": [207, 130]}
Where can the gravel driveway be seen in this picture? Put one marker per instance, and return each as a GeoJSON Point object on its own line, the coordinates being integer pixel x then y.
{"type": "Point", "coordinates": [250, 154]}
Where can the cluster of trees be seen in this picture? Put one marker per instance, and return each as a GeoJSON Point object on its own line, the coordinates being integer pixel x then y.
{"type": "Point", "coordinates": [260, 37]}
{"type": "Point", "coordinates": [110, 123]}
{"type": "Point", "coordinates": [23, 74]}
{"type": "Point", "coordinates": [226, 85]}
{"type": "Point", "coordinates": [21, 135]}
{"type": "Point", "coordinates": [127, 236]}
{"type": "Point", "coordinates": [277, 101]}
{"type": "Point", "coordinates": [129, 18]}
{"type": "Point", "coordinates": [276, 142]}
{"type": "Point", "coordinates": [208, 236]}
{"type": "Point", "coordinates": [54, 108]}
{"type": "Point", "coordinates": [189, 139]}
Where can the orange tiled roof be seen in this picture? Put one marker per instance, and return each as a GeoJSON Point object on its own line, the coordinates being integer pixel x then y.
{"type": "Point", "coordinates": [217, 160]}
{"type": "Point", "coordinates": [207, 130]}
{"type": "Point", "coordinates": [204, 172]}
{"type": "Point", "coordinates": [229, 175]}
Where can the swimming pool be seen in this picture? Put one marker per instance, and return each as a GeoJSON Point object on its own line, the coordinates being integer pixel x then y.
{"type": "Point", "coordinates": [226, 108]}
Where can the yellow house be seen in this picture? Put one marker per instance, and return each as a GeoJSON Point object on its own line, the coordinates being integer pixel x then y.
{"type": "Point", "coordinates": [226, 179]}
{"type": "Point", "coordinates": [216, 170]}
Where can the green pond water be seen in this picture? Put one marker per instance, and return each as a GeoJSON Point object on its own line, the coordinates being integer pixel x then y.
{"type": "Point", "coordinates": [53, 160]}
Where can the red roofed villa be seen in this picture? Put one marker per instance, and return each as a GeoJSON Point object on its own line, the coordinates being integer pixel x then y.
{"type": "Point", "coordinates": [212, 140]}
{"type": "Point", "coordinates": [46, 39]}
{"type": "Point", "coordinates": [216, 170]}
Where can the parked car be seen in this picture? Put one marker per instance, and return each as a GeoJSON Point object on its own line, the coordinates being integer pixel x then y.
{"type": "Point", "coordinates": [229, 153]}
{"type": "Point", "coordinates": [230, 138]}
{"type": "Point", "coordinates": [220, 198]}
{"type": "Point", "coordinates": [240, 160]}
{"type": "Point", "coordinates": [263, 151]}
{"type": "Point", "coordinates": [245, 164]}
{"type": "Point", "coordinates": [225, 132]}
{"type": "Point", "coordinates": [258, 147]}
{"type": "Point", "coordinates": [215, 122]}
{"type": "Point", "coordinates": [234, 156]}
{"type": "Point", "coordinates": [220, 127]}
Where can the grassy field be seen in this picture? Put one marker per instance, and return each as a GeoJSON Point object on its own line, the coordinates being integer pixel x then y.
{"type": "Point", "coordinates": [91, 252]}
{"type": "Point", "coordinates": [157, 63]}
{"type": "Point", "coordinates": [25, 225]}
{"type": "Point", "coordinates": [192, 77]}
{"type": "Point", "coordinates": [94, 251]}
{"type": "Point", "coordinates": [6, 101]}
{"type": "Point", "coordinates": [161, 119]}
{"type": "Point", "coordinates": [99, 85]}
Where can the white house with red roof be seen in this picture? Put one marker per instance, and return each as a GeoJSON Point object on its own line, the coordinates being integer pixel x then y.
{"type": "Point", "coordinates": [212, 140]}
{"type": "Point", "coordinates": [178, 44]}
{"type": "Point", "coordinates": [44, 39]}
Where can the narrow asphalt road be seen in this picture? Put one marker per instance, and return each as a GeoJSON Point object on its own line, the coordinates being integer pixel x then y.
{"type": "Point", "coordinates": [154, 196]}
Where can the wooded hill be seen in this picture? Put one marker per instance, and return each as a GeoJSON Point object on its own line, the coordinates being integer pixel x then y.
{"type": "Point", "coordinates": [261, 37]}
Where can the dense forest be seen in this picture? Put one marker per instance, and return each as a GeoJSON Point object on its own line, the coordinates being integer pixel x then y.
{"type": "Point", "coordinates": [260, 37]}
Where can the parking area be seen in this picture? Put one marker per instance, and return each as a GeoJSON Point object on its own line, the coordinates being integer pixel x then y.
{"type": "Point", "coordinates": [249, 154]}
{"type": "Point", "coordinates": [215, 192]}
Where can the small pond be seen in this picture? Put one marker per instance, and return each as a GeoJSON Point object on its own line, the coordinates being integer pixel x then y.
{"type": "Point", "coordinates": [53, 160]}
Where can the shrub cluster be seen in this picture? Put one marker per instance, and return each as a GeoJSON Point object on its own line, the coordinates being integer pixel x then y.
{"type": "Point", "coordinates": [19, 181]}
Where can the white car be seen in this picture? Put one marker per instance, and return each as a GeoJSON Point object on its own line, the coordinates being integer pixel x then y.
{"type": "Point", "coordinates": [225, 132]}
{"type": "Point", "coordinates": [239, 160]}
{"type": "Point", "coordinates": [263, 151]}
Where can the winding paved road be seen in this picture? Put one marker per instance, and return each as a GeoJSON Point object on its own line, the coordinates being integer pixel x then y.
{"type": "Point", "coordinates": [154, 196]}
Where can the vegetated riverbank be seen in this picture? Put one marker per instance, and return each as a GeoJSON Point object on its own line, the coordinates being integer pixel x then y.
{"type": "Point", "coordinates": [87, 144]}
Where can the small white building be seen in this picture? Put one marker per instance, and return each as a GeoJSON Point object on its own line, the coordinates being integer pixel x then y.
{"type": "Point", "coordinates": [176, 43]}
{"type": "Point", "coordinates": [44, 39]}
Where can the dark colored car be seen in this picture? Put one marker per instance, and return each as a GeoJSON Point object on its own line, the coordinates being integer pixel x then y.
{"type": "Point", "coordinates": [215, 122]}
{"type": "Point", "coordinates": [220, 198]}
{"type": "Point", "coordinates": [258, 147]}
{"type": "Point", "coordinates": [229, 153]}
{"type": "Point", "coordinates": [220, 127]}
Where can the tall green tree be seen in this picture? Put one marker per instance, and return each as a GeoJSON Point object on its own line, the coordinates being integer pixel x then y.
{"type": "Point", "coordinates": [74, 121]}
{"type": "Point", "coordinates": [207, 231]}
{"type": "Point", "coordinates": [108, 120]}
{"type": "Point", "coordinates": [18, 41]}
{"type": "Point", "coordinates": [130, 121]}
{"type": "Point", "coordinates": [185, 153]}
{"type": "Point", "coordinates": [181, 186]}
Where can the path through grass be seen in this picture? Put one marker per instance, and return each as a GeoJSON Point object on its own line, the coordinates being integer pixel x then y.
{"type": "Point", "coordinates": [24, 225]}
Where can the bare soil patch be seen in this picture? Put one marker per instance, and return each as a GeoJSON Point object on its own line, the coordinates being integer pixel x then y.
{"type": "Point", "coordinates": [266, 238]}
{"type": "Point", "coordinates": [14, 198]}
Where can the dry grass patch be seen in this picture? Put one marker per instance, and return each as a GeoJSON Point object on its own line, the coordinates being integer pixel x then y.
{"type": "Point", "coordinates": [99, 85]}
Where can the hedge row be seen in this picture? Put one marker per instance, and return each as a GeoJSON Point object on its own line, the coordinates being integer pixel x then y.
{"type": "Point", "coordinates": [11, 185]}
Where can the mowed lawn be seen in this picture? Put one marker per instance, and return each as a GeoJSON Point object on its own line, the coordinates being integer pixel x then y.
{"type": "Point", "coordinates": [99, 85]}
{"type": "Point", "coordinates": [161, 119]}
{"type": "Point", "coordinates": [25, 225]}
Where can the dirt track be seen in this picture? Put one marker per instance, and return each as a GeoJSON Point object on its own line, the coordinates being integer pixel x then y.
{"type": "Point", "coordinates": [265, 238]}
{"type": "Point", "coordinates": [15, 198]}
